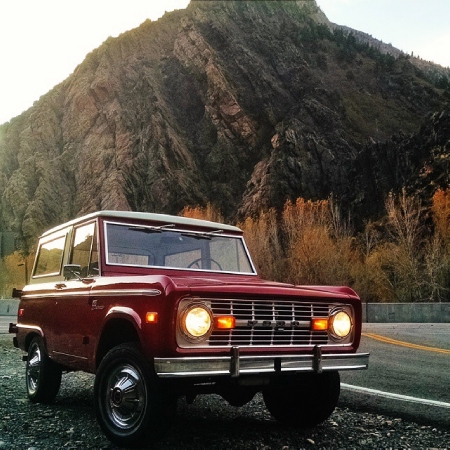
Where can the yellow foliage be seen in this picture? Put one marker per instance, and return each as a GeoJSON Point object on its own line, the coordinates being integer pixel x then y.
{"type": "Point", "coordinates": [15, 272]}
{"type": "Point", "coordinates": [263, 240]}
{"type": "Point", "coordinates": [308, 243]}
{"type": "Point", "coordinates": [209, 212]}
{"type": "Point", "coordinates": [441, 213]}
{"type": "Point", "coordinates": [298, 246]}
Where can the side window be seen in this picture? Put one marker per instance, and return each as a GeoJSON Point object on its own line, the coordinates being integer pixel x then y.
{"type": "Point", "coordinates": [84, 251]}
{"type": "Point", "coordinates": [49, 258]}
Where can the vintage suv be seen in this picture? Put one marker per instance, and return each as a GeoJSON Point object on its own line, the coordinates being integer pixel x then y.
{"type": "Point", "coordinates": [159, 307]}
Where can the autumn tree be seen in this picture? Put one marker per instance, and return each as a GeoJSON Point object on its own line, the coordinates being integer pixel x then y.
{"type": "Point", "coordinates": [306, 243]}
{"type": "Point", "coordinates": [208, 212]}
{"type": "Point", "coordinates": [371, 280]}
{"type": "Point", "coordinates": [440, 211]}
{"type": "Point", "coordinates": [437, 256]}
{"type": "Point", "coordinates": [263, 238]}
{"type": "Point", "coordinates": [402, 252]}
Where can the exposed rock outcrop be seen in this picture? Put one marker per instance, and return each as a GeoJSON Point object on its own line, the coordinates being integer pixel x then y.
{"type": "Point", "coordinates": [242, 104]}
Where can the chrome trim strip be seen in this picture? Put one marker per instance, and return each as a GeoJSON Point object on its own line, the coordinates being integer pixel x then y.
{"type": "Point", "coordinates": [122, 292]}
{"type": "Point", "coordinates": [304, 324]}
{"type": "Point", "coordinates": [68, 355]}
{"type": "Point", "coordinates": [57, 294]}
{"type": "Point", "coordinates": [183, 230]}
{"type": "Point", "coordinates": [292, 346]}
{"type": "Point", "coordinates": [230, 366]}
{"type": "Point", "coordinates": [97, 293]}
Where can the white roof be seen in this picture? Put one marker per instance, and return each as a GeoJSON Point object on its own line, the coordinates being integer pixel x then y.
{"type": "Point", "coordinates": [159, 219]}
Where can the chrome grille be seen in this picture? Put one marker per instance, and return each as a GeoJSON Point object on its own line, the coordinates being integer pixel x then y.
{"type": "Point", "coordinates": [269, 323]}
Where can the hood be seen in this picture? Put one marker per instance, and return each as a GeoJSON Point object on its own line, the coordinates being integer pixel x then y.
{"type": "Point", "coordinates": [253, 285]}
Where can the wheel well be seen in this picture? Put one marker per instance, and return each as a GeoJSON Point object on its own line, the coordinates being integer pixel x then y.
{"type": "Point", "coordinates": [117, 331]}
{"type": "Point", "coordinates": [29, 337]}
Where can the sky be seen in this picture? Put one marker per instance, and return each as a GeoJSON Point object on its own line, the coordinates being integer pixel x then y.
{"type": "Point", "coordinates": [43, 41]}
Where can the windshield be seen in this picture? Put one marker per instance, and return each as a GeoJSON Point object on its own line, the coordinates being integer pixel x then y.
{"type": "Point", "coordinates": [164, 246]}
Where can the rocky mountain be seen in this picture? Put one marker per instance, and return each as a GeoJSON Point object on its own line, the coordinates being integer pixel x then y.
{"type": "Point", "coordinates": [241, 104]}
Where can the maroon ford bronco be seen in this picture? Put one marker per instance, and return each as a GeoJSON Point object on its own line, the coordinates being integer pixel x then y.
{"type": "Point", "coordinates": [159, 307]}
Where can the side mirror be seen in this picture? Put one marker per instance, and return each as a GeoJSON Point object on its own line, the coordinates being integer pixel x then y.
{"type": "Point", "coordinates": [16, 293]}
{"type": "Point", "coordinates": [72, 271]}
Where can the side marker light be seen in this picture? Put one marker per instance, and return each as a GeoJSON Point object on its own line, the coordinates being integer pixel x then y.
{"type": "Point", "coordinates": [151, 317]}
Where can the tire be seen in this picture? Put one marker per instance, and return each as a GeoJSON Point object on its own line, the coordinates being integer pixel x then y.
{"type": "Point", "coordinates": [42, 375]}
{"type": "Point", "coordinates": [303, 401]}
{"type": "Point", "coordinates": [129, 400]}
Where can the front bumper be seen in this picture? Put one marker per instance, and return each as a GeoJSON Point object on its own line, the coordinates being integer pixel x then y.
{"type": "Point", "coordinates": [236, 365]}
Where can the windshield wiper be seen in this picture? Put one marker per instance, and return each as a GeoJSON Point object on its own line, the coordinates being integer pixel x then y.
{"type": "Point", "coordinates": [205, 235]}
{"type": "Point", "coordinates": [151, 229]}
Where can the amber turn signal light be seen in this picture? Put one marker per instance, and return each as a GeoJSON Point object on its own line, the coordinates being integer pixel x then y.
{"type": "Point", "coordinates": [225, 322]}
{"type": "Point", "coordinates": [319, 324]}
{"type": "Point", "coordinates": [151, 317]}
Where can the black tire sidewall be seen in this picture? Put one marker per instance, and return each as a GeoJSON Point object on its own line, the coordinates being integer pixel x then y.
{"type": "Point", "coordinates": [151, 421]}
{"type": "Point", "coordinates": [49, 380]}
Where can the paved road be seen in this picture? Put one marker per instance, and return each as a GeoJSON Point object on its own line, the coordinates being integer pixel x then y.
{"type": "Point", "coordinates": [408, 360]}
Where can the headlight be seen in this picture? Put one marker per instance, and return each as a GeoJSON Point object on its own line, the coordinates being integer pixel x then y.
{"type": "Point", "coordinates": [341, 324]}
{"type": "Point", "coordinates": [196, 321]}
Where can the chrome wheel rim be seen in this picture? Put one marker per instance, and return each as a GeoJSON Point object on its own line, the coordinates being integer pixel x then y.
{"type": "Point", "coordinates": [34, 366]}
{"type": "Point", "coordinates": [126, 397]}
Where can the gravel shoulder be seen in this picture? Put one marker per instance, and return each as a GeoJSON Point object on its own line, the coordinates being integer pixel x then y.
{"type": "Point", "coordinates": [209, 423]}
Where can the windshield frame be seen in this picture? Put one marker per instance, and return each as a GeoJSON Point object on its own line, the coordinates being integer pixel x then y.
{"type": "Point", "coordinates": [170, 229]}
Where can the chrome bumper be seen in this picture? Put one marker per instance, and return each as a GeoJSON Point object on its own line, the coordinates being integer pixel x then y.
{"type": "Point", "coordinates": [236, 365]}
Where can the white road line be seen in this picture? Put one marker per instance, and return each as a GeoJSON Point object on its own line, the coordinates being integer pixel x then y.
{"type": "Point", "coordinates": [404, 398]}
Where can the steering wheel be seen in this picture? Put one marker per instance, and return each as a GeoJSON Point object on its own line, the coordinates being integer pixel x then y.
{"type": "Point", "coordinates": [199, 263]}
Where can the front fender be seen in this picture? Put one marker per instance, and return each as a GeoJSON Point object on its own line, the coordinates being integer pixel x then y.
{"type": "Point", "coordinates": [127, 313]}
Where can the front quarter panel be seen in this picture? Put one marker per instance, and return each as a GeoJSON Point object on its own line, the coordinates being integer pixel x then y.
{"type": "Point", "coordinates": [126, 302]}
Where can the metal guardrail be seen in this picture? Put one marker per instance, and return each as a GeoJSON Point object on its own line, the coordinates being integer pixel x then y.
{"type": "Point", "coordinates": [419, 312]}
{"type": "Point", "coordinates": [9, 306]}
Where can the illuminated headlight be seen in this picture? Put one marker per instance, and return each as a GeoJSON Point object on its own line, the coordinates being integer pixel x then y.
{"type": "Point", "coordinates": [196, 322]}
{"type": "Point", "coordinates": [340, 324]}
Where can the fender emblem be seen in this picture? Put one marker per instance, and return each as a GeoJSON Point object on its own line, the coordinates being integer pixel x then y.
{"type": "Point", "coordinates": [95, 305]}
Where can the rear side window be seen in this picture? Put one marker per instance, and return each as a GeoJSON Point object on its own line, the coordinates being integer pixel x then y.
{"type": "Point", "coordinates": [50, 257]}
{"type": "Point", "coordinates": [85, 251]}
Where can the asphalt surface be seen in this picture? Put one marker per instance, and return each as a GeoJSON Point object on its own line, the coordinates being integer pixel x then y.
{"type": "Point", "coordinates": [407, 360]}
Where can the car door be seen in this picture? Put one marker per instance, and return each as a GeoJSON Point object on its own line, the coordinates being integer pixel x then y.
{"type": "Point", "coordinates": [77, 324]}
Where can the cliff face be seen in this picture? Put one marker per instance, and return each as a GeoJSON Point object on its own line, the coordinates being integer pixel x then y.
{"type": "Point", "coordinates": [242, 104]}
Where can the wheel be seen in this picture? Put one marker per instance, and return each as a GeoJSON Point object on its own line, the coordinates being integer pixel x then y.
{"type": "Point", "coordinates": [303, 401]}
{"type": "Point", "coordinates": [207, 261]}
{"type": "Point", "coordinates": [129, 400]}
{"type": "Point", "coordinates": [42, 375]}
